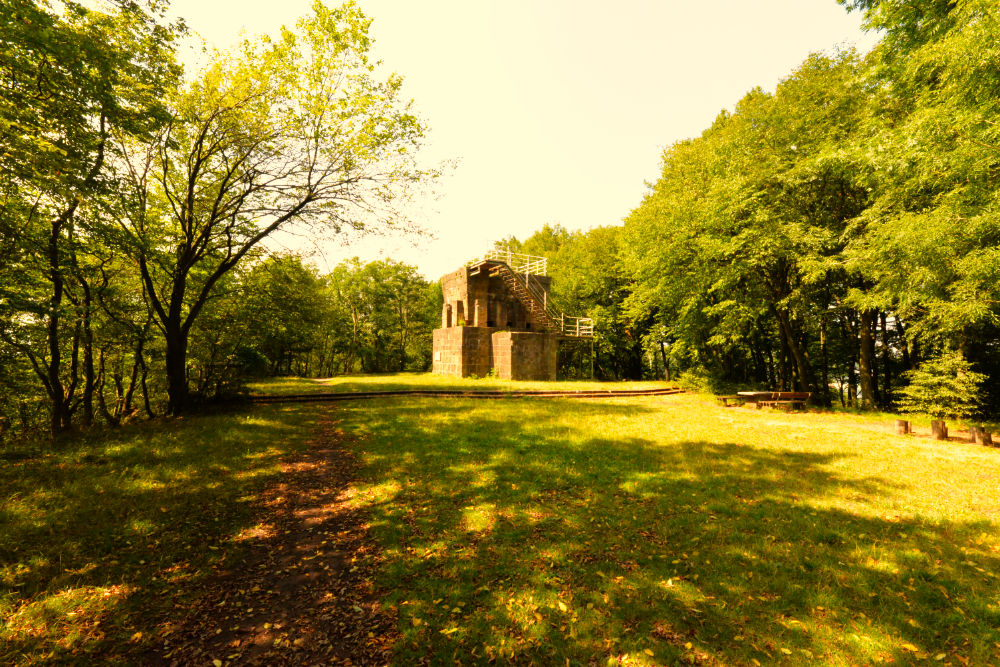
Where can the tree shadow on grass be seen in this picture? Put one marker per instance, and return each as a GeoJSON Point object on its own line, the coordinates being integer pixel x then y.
{"type": "Point", "coordinates": [103, 537]}
{"type": "Point", "coordinates": [516, 539]}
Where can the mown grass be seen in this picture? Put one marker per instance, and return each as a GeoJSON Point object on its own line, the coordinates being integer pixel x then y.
{"type": "Point", "coordinates": [103, 538]}
{"type": "Point", "coordinates": [398, 381]}
{"type": "Point", "coordinates": [632, 531]}
{"type": "Point", "coordinates": [668, 529]}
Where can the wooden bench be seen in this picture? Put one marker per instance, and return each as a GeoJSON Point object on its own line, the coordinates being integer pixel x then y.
{"type": "Point", "coordinates": [755, 396]}
{"type": "Point", "coordinates": [789, 400]}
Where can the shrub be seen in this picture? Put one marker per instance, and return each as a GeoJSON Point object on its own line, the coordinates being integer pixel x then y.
{"type": "Point", "coordinates": [251, 362]}
{"type": "Point", "coordinates": [698, 378]}
{"type": "Point", "coordinates": [944, 386]}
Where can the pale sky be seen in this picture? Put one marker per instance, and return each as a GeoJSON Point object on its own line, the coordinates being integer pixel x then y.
{"type": "Point", "coordinates": [556, 111]}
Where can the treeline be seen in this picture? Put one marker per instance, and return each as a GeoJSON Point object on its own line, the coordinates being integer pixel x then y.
{"type": "Point", "coordinates": [840, 235]}
{"type": "Point", "coordinates": [134, 206]}
{"type": "Point", "coordinates": [832, 236]}
{"type": "Point", "coordinates": [283, 318]}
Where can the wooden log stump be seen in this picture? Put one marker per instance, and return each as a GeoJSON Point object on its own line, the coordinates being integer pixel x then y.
{"type": "Point", "coordinates": [974, 432]}
{"type": "Point", "coordinates": [984, 437]}
{"type": "Point", "coordinates": [938, 429]}
{"type": "Point", "coordinates": [902, 427]}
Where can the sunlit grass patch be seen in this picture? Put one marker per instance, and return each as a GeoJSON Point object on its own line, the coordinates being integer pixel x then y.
{"type": "Point", "coordinates": [68, 617]}
{"type": "Point", "coordinates": [668, 529]}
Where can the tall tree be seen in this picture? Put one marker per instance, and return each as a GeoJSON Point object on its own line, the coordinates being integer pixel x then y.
{"type": "Point", "coordinates": [735, 247]}
{"type": "Point", "coordinates": [931, 244]}
{"type": "Point", "coordinates": [295, 131]}
{"type": "Point", "coordinates": [70, 79]}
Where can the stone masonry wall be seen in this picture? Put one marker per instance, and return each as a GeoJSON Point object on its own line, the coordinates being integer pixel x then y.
{"type": "Point", "coordinates": [462, 351]}
{"type": "Point", "coordinates": [519, 355]}
{"type": "Point", "coordinates": [469, 343]}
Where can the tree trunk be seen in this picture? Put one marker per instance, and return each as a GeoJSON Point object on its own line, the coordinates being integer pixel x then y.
{"type": "Point", "coordinates": [176, 362]}
{"type": "Point", "coordinates": [866, 356]}
{"type": "Point", "coordinates": [145, 389]}
{"type": "Point", "coordinates": [850, 334]}
{"type": "Point", "coordinates": [824, 390]}
{"type": "Point", "coordinates": [904, 345]}
{"type": "Point", "coordinates": [133, 380]}
{"type": "Point", "coordinates": [56, 390]}
{"type": "Point", "coordinates": [88, 356]}
{"type": "Point", "coordinates": [772, 372]}
{"type": "Point", "coordinates": [886, 365]}
{"type": "Point", "coordinates": [783, 369]}
{"type": "Point", "coordinates": [108, 416]}
{"type": "Point", "coordinates": [804, 374]}
{"type": "Point", "coordinates": [852, 386]}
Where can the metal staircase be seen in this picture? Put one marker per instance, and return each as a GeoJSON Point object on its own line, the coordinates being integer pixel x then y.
{"type": "Point", "coordinates": [517, 271]}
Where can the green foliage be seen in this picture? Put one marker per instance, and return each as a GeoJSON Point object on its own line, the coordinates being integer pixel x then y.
{"type": "Point", "coordinates": [943, 386]}
{"type": "Point", "coordinates": [296, 131]}
{"type": "Point", "coordinates": [287, 319]}
{"type": "Point", "coordinates": [824, 235]}
{"type": "Point", "coordinates": [77, 83]}
{"type": "Point", "coordinates": [252, 362]}
{"type": "Point", "coordinates": [698, 379]}
{"type": "Point", "coordinates": [736, 249]}
{"type": "Point", "coordinates": [382, 316]}
{"type": "Point", "coordinates": [588, 281]}
{"type": "Point", "coordinates": [132, 206]}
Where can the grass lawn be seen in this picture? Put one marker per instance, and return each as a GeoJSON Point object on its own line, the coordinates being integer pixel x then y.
{"type": "Point", "coordinates": [104, 538]}
{"type": "Point", "coordinates": [668, 529]}
{"type": "Point", "coordinates": [653, 530]}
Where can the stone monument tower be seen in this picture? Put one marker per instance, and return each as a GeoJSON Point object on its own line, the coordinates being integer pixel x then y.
{"type": "Point", "coordinates": [497, 317]}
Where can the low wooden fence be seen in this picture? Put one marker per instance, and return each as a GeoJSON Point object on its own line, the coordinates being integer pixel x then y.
{"type": "Point", "coordinates": [446, 393]}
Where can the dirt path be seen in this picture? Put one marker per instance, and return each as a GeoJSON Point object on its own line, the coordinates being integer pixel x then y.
{"type": "Point", "coordinates": [303, 595]}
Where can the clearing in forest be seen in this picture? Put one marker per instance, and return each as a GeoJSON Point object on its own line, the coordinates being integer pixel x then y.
{"type": "Point", "coordinates": [627, 531]}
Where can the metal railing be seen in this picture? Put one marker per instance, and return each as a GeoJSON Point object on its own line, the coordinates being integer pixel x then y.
{"type": "Point", "coordinates": [580, 327]}
{"type": "Point", "coordinates": [529, 265]}
{"type": "Point", "coordinates": [568, 325]}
